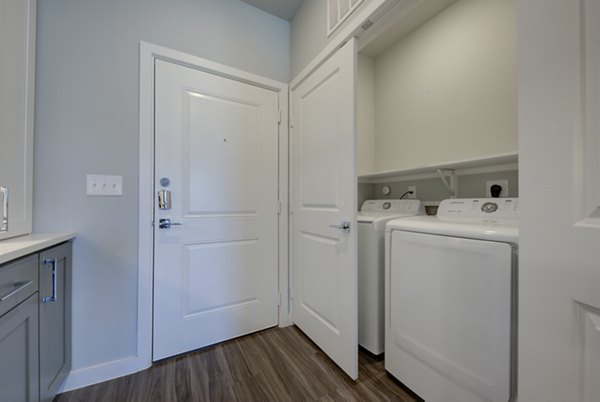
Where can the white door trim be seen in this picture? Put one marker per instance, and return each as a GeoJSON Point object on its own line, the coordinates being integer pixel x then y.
{"type": "Point", "coordinates": [148, 54]}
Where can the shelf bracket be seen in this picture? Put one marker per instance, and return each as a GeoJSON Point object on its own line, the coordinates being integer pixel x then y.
{"type": "Point", "coordinates": [451, 186]}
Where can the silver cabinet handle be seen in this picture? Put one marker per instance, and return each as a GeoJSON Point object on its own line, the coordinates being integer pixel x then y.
{"type": "Point", "coordinates": [18, 287]}
{"type": "Point", "coordinates": [4, 220]}
{"type": "Point", "coordinates": [166, 223]}
{"type": "Point", "coordinates": [53, 298]}
{"type": "Point", "coordinates": [345, 226]}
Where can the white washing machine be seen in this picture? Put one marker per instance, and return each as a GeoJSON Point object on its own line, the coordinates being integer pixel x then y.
{"type": "Point", "coordinates": [373, 216]}
{"type": "Point", "coordinates": [450, 301]}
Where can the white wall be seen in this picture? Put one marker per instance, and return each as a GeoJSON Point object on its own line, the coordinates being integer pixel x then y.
{"type": "Point", "coordinates": [87, 122]}
{"type": "Point", "coordinates": [365, 119]}
{"type": "Point", "coordinates": [309, 32]}
{"type": "Point", "coordinates": [448, 91]}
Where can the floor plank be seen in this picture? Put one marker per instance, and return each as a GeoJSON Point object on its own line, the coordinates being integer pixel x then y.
{"type": "Point", "coordinates": [278, 364]}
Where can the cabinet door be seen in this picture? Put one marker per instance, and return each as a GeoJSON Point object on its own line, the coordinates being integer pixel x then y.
{"type": "Point", "coordinates": [55, 319]}
{"type": "Point", "coordinates": [17, 76]}
{"type": "Point", "coordinates": [19, 379]}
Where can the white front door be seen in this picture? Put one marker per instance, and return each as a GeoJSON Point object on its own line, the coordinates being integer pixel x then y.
{"type": "Point", "coordinates": [216, 153]}
{"type": "Point", "coordinates": [323, 193]}
{"type": "Point", "coordinates": [559, 146]}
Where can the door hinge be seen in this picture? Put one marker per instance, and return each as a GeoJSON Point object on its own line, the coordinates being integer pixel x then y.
{"type": "Point", "coordinates": [279, 116]}
{"type": "Point", "coordinates": [280, 299]}
{"type": "Point", "coordinates": [279, 208]}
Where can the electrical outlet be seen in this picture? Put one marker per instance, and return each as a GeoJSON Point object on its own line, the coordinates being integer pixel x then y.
{"type": "Point", "coordinates": [414, 192]}
{"type": "Point", "coordinates": [501, 183]}
{"type": "Point", "coordinates": [104, 186]}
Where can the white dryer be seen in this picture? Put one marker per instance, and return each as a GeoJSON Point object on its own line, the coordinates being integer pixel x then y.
{"type": "Point", "coordinates": [450, 301]}
{"type": "Point", "coordinates": [372, 218]}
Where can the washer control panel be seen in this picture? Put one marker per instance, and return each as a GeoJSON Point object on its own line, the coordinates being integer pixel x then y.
{"type": "Point", "coordinates": [412, 207]}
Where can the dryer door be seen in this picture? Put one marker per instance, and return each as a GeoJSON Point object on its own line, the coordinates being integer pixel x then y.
{"type": "Point", "coordinates": [448, 316]}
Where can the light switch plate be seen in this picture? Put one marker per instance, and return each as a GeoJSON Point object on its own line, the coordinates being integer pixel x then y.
{"type": "Point", "coordinates": [104, 186]}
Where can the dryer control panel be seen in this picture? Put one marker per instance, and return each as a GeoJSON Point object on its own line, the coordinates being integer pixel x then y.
{"type": "Point", "coordinates": [496, 209]}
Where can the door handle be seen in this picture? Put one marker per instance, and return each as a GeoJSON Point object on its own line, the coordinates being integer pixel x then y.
{"type": "Point", "coordinates": [345, 226]}
{"type": "Point", "coordinates": [51, 299]}
{"type": "Point", "coordinates": [4, 220]}
{"type": "Point", "coordinates": [166, 223]}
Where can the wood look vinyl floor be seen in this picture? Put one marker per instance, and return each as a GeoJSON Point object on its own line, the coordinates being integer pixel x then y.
{"type": "Point", "coordinates": [278, 364]}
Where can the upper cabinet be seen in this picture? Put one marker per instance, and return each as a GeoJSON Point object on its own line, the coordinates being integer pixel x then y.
{"type": "Point", "coordinates": [17, 91]}
{"type": "Point", "coordinates": [439, 86]}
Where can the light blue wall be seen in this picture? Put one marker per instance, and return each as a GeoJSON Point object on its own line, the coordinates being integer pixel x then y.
{"type": "Point", "coordinates": [87, 123]}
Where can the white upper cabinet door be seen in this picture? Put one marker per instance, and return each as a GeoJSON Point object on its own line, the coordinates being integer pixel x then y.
{"type": "Point", "coordinates": [17, 91]}
{"type": "Point", "coordinates": [216, 266]}
{"type": "Point", "coordinates": [559, 147]}
{"type": "Point", "coordinates": [323, 194]}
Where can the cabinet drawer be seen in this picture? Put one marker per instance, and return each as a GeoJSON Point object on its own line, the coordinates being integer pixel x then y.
{"type": "Point", "coordinates": [18, 281]}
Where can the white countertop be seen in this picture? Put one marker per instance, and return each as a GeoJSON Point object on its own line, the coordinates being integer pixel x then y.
{"type": "Point", "coordinates": [11, 249]}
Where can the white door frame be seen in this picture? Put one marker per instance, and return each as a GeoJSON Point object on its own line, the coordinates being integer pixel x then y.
{"type": "Point", "coordinates": [148, 54]}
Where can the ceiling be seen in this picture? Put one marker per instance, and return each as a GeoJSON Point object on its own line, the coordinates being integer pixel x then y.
{"type": "Point", "coordinates": [281, 8]}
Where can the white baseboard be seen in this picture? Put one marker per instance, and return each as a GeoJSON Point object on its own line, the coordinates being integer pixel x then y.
{"type": "Point", "coordinates": [83, 377]}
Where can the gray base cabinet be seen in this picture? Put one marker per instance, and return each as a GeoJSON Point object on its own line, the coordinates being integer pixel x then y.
{"type": "Point", "coordinates": [55, 319]}
{"type": "Point", "coordinates": [19, 381]}
{"type": "Point", "coordinates": [35, 325]}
